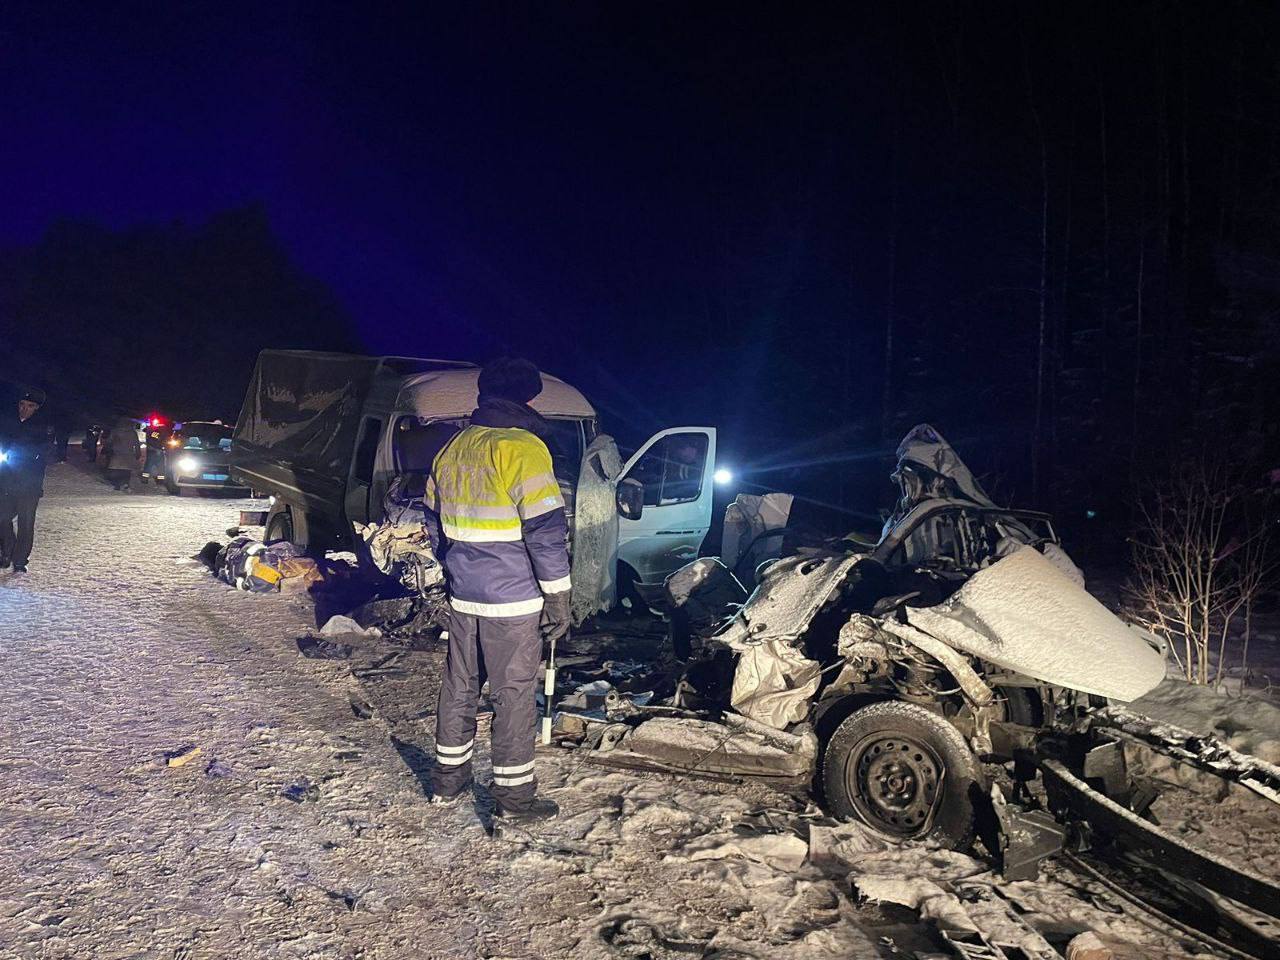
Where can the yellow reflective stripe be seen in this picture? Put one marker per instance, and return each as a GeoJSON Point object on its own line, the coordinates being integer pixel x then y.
{"type": "Point", "coordinates": [556, 586]}
{"type": "Point", "coordinates": [511, 522]}
{"type": "Point", "coordinates": [517, 608]}
{"type": "Point", "coordinates": [500, 781]}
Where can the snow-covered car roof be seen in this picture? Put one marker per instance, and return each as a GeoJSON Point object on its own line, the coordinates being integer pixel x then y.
{"type": "Point", "coordinates": [452, 393]}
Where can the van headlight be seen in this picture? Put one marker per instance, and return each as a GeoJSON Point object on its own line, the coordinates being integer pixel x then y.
{"type": "Point", "coordinates": [188, 465]}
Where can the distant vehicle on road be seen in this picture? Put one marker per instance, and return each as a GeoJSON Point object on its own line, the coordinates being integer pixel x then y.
{"type": "Point", "coordinates": [196, 457]}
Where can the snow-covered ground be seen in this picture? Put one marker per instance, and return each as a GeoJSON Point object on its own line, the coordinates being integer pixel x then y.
{"type": "Point", "coordinates": [115, 650]}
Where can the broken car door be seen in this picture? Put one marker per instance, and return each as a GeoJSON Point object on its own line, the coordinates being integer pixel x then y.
{"type": "Point", "coordinates": [676, 468]}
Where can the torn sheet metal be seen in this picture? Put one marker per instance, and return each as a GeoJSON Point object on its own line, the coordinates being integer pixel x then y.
{"type": "Point", "coordinates": [595, 531]}
{"type": "Point", "coordinates": [747, 540]}
{"type": "Point", "coordinates": [1027, 837]}
{"type": "Point", "coordinates": [973, 686]}
{"type": "Point", "coordinates": [1196, 749]}
{"type": "Point", "coordinates": [790, 594]}
{"type": "Point", "coordinates": [399, 546]}
{"type": "Point", "coordinates": [929, 469]}
{"type": "Point", "coordinates": [773, 683]}
{"type": "Point", "coordinates": [1023, 614]}
{"type": "Point", "coordinates": [402, 551]}
{"type": "Point", "coordinates": [710, 749]}
{"type": "Point", "coordinates": [702, 596]}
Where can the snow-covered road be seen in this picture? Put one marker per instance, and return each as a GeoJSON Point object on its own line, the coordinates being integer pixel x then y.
{"type": "Point", "coordinates": [113, 651]}
{"type": "Point", "coordinates": [116, 649]}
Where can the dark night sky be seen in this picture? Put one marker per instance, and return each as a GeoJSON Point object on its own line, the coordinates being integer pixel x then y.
{"type": "Point", "coordinates": [467, 184]}
{"type": "Point", "coordinates": [713, 213]}
{"type": "Point", "coordinates": [420, 164]}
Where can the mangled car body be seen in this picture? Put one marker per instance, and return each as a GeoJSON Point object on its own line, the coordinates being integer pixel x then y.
{"type": "Point", "coordinates": [886, 677]}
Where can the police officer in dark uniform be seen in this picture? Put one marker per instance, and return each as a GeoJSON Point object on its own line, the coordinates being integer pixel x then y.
{"type": "Point", "coordinates": [26, 443]}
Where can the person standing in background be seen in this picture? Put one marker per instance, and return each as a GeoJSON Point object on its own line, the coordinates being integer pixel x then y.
{"type": "Point", "coordinates": [26, 444]}
{"type": "Point", "coordinates": [123, 453]}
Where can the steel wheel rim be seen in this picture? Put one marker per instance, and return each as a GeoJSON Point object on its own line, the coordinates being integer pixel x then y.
{"type": "Point", "coordinates": [895, 782]}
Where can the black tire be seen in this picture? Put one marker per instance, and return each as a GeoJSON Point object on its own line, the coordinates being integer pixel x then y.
{"type": "Point", "coordinates": [905, 772]}
{"type": "Point", "coordinates": [627, 590]}
{"type": "Point", "coordinates": [171, 486]}
{"type": "Point", "coordinates": [279, 526]}
{"type": "Point", "coordinates": [1021, 706]}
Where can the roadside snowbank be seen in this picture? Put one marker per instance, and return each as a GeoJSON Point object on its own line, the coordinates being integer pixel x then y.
{"type": "Point", "coordinates": [1244, 722]}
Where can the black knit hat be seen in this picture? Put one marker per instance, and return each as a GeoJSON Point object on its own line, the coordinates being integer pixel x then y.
{"type": "Point", "coordinates": [35, 395]}
{"type": "Point", "coordinates": [510, 378]}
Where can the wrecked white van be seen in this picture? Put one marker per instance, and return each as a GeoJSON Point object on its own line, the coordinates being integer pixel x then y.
{"type": "Point", "coordinates": [329, 436]}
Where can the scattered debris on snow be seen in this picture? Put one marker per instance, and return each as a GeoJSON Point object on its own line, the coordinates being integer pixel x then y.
{"type": "Point", "coordinates": [343, 626]}
{"type": "Point", "coordinates": [182, 756]}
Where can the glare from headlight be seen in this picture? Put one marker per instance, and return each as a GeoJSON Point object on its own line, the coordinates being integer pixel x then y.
{"type": "Point", "coordinates": [187, 464]}
{"type": "Point", "coordinates": [4, 456]}
{"type": "Point", "coordinates": [724, 477]}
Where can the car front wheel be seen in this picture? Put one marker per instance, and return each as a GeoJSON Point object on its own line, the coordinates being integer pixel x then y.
{"type": "Point", "coordinates": [905, 772]}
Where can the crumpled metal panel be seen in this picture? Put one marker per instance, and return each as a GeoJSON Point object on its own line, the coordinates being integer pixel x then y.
{"type": "Point", "coordinates": [1022, 613]}
{"type": "Point", "coordinates": [790, 594]}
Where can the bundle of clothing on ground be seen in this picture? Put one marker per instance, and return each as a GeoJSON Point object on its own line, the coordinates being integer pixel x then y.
{"type": "Point", "coordinates": [257, 567]}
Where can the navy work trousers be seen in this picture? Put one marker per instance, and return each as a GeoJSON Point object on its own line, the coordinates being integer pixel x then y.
{"type": "Point", "coordinates": [508, 650]}
{"type": "Point", "coordinates": [17, 509]}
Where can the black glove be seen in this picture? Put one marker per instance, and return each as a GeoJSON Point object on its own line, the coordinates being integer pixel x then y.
{"type": "Point", "coordinates": [555, 616]}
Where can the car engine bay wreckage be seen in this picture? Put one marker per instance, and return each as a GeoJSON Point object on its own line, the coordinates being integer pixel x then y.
{"type": "Point", "coordinates": [953, 682]}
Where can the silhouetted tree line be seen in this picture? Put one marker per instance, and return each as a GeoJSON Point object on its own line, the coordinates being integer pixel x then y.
{"type": "Point", "coordinates": [159, 317]}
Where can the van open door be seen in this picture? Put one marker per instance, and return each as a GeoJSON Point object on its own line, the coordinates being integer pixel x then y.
{"type": "Point", "coordinates": [676, 468]}
{"type": "Point", "coordinates": [358, 504]}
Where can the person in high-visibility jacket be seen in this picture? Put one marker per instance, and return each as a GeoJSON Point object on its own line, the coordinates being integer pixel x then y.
{"type": "Point", "coordinates": [496, 520]}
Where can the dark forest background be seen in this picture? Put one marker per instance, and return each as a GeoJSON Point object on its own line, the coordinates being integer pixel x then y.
{"type": "Point", "coordinates": [1050, 230]}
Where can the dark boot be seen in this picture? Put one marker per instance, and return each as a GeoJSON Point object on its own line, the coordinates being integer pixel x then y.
{"type": "Point", "coordinates": [449, 799]}
{"type": "Point", "coordinates": [535, 811]}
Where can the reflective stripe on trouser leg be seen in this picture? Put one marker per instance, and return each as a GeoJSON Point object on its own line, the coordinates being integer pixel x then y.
{"type": "Point", "coordinates": [456, 711]}
{"type": "Point", "coordinates": [512, 653]}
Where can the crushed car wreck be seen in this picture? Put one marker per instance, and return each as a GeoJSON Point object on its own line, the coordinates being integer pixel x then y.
{"type": "Point", "coordinates": [887, 678]}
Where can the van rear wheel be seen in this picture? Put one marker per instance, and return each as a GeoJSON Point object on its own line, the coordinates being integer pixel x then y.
{"type": "Point", "coordinates": [279, 526]}
{"type": "Point", "coordinates": [905, 772]}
